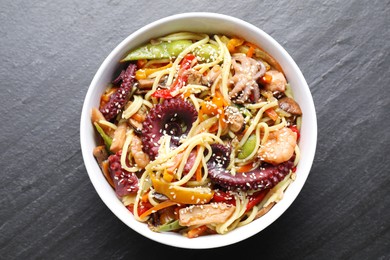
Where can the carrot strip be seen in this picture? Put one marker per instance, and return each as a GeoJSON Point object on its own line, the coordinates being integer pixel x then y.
{"type": "Point", "coordinates": [245, 168]}
{"type": "Point", "coordinates": [250, 52]}
{"type": "Point", "coordinates": [251, 45]}
{"type": "Point", "coordinates": [195, 232]}
{"type": "Point", "coordinates": [137, 117]}
{"type": "Point", "coordinates": [233, 43]}
{"type": "Point", "coordinates": [271, 113]}
{"type": "Point", "coordinates": [159, 206]}
{"type": "Point", "coordinates": [105, 166]}
{"type": "Point", "coordinates": [144, 197]}
{"type": "Point", "coordinates": [266, 79]}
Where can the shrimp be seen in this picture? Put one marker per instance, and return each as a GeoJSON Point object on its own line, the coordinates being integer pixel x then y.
{"type": "Point", "coordinates": [140, 158]}
{"type": "Point", "coordinates": [279, 146]}
{"type": "Point", "coordinates": [278, 82]}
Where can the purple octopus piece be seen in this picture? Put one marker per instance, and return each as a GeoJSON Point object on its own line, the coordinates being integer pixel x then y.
{"type": "Point", "coordinates": [173, 117]}
{"type": "Point", "coordinates": [125, 182]}
{"type": "Point", "coordinates": [263, 177]}
{"type": "Point", "coordinates": [119, 98]}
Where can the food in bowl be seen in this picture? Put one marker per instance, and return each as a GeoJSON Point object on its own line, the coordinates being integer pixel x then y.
{"type": "Point", "coordinates": [199, 133]}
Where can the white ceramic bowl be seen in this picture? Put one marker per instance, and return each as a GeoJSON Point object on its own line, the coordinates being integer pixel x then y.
{"type": "Point", "coordinates": [206, 23]}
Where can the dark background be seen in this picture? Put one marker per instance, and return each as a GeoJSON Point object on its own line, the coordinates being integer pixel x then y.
{"type": "Point", "coordinates": [50, 51]}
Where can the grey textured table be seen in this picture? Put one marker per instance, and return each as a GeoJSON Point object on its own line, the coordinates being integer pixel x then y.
{"type": "Point", "coordinates": [49, 53]}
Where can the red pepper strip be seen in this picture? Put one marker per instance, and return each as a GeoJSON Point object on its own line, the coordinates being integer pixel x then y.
{"type": "Point", "coordinates": [294, 128]}
{"type": "Point", "coordinates": [221, 196]}
{"type": "Point", "coordinates": [180, 80]}
{"type": "Point", "coordinates": [142, 207]}
{"type": "Point", "coordinates": [255, 199]}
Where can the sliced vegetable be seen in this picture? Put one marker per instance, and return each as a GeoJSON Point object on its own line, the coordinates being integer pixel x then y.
{"type": "Point", "coordinates": [222, 196]}
{"type": "Point", "coordinates": [141, 209]}
{"type": "Point", "coordinates": [156, 208]}
{"type": "Point", "coordinates": [234, 43]}
{"type": "Point", "coordinates": [180, 80]}
{"type": "Point", "coordinates": [158, 51]}
{"type": "Point", "coordinates": [248, 147]}
{"type": "Point", "coordinates": [213, 107]}
{"type": "Point", "coordinates": [179, 194]}
{"type": "Point", "coordinates": [197, 231]}
{"type": "Point", "coordinates": [294, 128]}
{"type": "Point", "coordinates": [250, 52]}
{"type": "Point", "coordinates": [255, 199]}
{"type": "Point", "coordinates": [245, 168]}
{"type": "Point", "coordinates": [266, 79]}
{"type": "Point", "coordinates": [144, 73]}
{"type": "Point", "coordinates": [271, 113]}
{"type": "Point", "coordinates": [173, 225]}
{"type": "Point", "coordinates": [206, 52]}
{"type": "Point", "coordinates": [107, 139]}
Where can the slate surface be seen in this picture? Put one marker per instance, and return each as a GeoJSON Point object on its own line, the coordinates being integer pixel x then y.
{"type": "Point", "coordinates": [49, 53]}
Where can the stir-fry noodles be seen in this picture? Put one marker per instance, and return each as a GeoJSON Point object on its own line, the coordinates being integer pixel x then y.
{"type": "Point", "coordinates": [199, 133]}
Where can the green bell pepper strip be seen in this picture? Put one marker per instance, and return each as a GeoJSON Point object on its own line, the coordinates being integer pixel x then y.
{"type": "Point", "coordinates": [106, 138]}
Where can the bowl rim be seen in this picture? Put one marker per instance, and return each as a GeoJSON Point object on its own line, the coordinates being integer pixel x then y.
{"type": "Point", "coordinates": [212, 241]}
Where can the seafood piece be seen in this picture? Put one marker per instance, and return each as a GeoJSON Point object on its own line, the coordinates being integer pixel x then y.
{"type": "Point", "coordinates": [279, 146]}
{"type": "Point", "coordinates": [214, 213]}
{"type": "Point", "coordinates": [140, 157]}
{"type": "Point", "coordinates": [119, 137]}
{"type": "Point", "coordinates": [125, 182]}
{"type": "Point", "coordinates": [260, 178]}
{"type": "Point", "coordinates": [195, 77]}
{"type": "Point", "coordinates": [119, 98]}
{"type": "Point", "coordinates": [173, 117]}
{"type": "Point", "coordinates": [212, 75]}
{"type": "Point", "coordinates": [234, 118]}
{"type": "Point", "coordinates": [246, 73]}
{"type": "Point", "coordinates": [278, 82]}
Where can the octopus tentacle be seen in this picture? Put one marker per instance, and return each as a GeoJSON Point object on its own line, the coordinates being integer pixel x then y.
{"type": "Point", "coordinates": [118, 100]}
{"type": "Point", "coordinates": [247, 72]}
{"type": "Point", "coordinates": [173, 117]}
{"type": "Point", "coordinates": [263, 177]}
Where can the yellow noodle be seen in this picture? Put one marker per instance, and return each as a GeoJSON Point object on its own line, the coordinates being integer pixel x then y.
{"type": "Point", "coordinates": [256, 120]}
{"type": "Point", "coordinates": [241, 204]}
{"type": "Point", "coordinates": [188, 176]}
{"type": "Point", "coordinates": [195, 102]}
{"type": "Point", "coordinates": [133, 108]}
{"type": "Point", "coordinates": [158, 75]}
{"type": "Point", "coordinates": [250, 217]}
{"type": "Point", "coordinates": [109, 124]}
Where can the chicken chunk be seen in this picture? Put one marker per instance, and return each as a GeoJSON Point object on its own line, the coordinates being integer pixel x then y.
{"type": "Point", "coordinates": [215, 213]}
